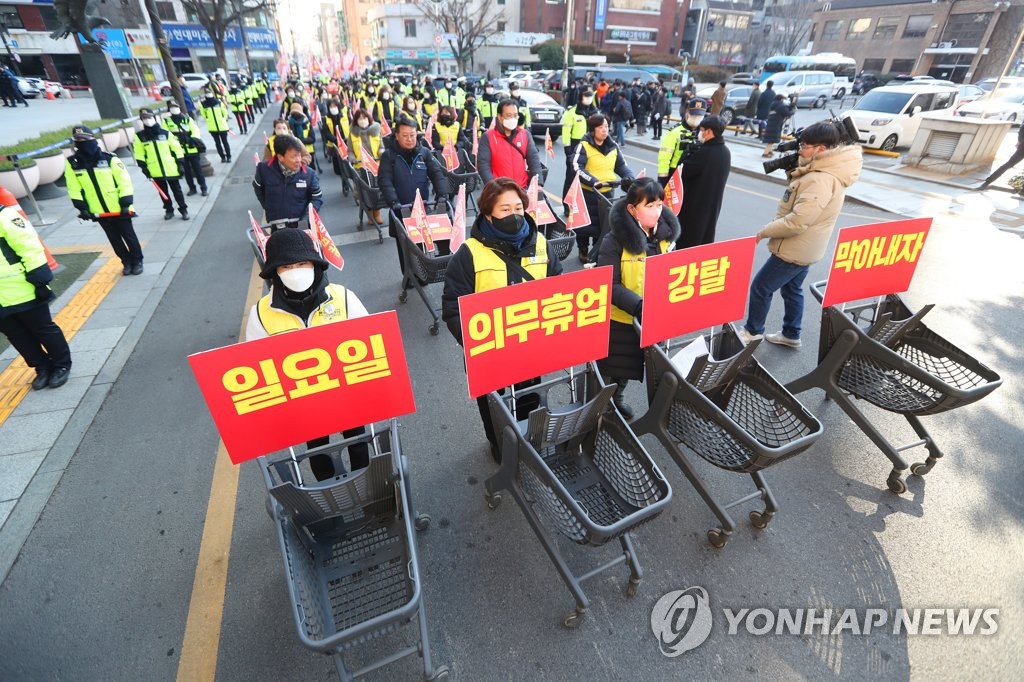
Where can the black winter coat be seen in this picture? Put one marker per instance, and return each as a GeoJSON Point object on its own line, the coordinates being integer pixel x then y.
{"type": "Point", "coordinates": [705, 175]}
{"type": "Point", "coordinates": [780, 111]}
{"type": "Point", "coordinates": [403, 172]}
{"type": "Point", "coordinates": [625, 358]}
{"type": "Point", "coordinates": [460, 278]}
{"type": "Point", "coordinates": [764, 103]}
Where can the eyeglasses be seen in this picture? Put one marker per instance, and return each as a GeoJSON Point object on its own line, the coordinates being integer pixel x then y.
{"type": "Point", "coordinates": [807, 145]}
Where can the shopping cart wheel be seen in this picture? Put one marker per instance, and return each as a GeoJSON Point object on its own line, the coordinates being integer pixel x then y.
{"type": "Point", "coordinates": [760, 519]}
{"type": "Point", "coordinates": [403, 297]}
{"type": "Point", "coordinates": [493, 500]}
{"type": "Point", "coordinates": [380, 240]}
{"type": "Point", "coordinates": [922, 468]}
{"type": "Point", "coordinates": [434, 329]}
{"type": "Point", "coordinates": [895, 483]}
{"type": "Point", "coordinates": [718, 537]}
{"type": "Point", "coordinates": [422, 522]}
{"type": "Point", "coordinates": [440, 673]}
{"type": "Point", "coordinates": [632, 587]}
{"type": "Point", "coordinates": [573, 619]}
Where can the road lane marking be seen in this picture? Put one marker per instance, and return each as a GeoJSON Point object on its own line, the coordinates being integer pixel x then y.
{"type": "Point", "coordinates": [15, 381]}
{"type": "Point", "coordinates": [201, 641]}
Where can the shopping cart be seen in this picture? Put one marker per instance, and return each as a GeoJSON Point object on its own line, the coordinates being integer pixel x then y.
{"type": "Point", "coordinates": [371, 201]}
{"type": "Point", "coordinates": [349, 551]}
{"type": "Point", "coordinates": [464, 174]}
{"type": "Point", "coordinates": [730, 412]}
{"type": "Point", "coordinates": [560, 238]}
{"type": "Point", "coordinates": [577, 464]}
{"type": "Point", "coordinates": [422, 267]}
{"type": "Point", "coordinates": [883, 354]}
{"type": "Point", "coordinates": [268, 229]}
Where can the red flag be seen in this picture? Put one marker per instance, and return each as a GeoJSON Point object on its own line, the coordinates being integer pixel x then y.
{"type": "Point", "coordinates": [642, 173]}
{"type": "Point", "coordinates": [385, 129]}
{"type": "Point", "coordinates": [579, 216]}
{"type": "Point", "coordinates": [540, 210]}
{"type": "Point", "coordinates": [371, 166]}
{"type": "Point", "coordinates": [163, 195]}
{"type": "Point", "coordinates": [342, 147]}
{"type": "Point", "coordinates": [419, 216]}
{"type": "Point", "coordinates": [344, 98]}
{"type": "Point", "coordinates": [674, 191]}
{"type": "Point", "coordinates": [533, 192]}
{"type": "Point", "coordinates": [256, 157]}
{"type": "Point", "coordinates": [261, 236]}
{"type": "Point", "coordinates": [459, 224]}
{"type": "Point", "coordinates": [327, 246]}
{"type": "Point", "coordinates": [548, 146]}
{"type": "Point", "coordinates": [314, 115]}
{"type": "Point", "coordinates": [266, 139]}
{"type": "Point", "coordinates": [451, 157]}
{"type": "Point", "coordinates": [476, 139]}
{"type": "Point", "coordinates": [429, 134]}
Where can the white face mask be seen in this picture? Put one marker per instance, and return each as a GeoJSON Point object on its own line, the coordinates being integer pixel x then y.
{"type": "Point", "coordinates": [385, 97]}
{"type": "Point", "coordinates": [694, 121]}
{"type": "Point", "coordinates": [334, 111]}
{"type": "Point", "coordinates": [174, 111]}
{"type": "Point", "coordinates": [588, 100]}
{"type": "Point", "coordinates": [510, 123]}
{"type": "Point", "coordinates": [489, 91]}
{"type": "Point", "coordinates": [298, 279]}
{"type": "Point", "coordinates": [149, 122]}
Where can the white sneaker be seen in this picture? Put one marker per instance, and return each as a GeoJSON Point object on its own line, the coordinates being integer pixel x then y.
{"type": "Point", "coordinates": [746, 337]}
{"type": "Point", "coordinates": [781, 340]}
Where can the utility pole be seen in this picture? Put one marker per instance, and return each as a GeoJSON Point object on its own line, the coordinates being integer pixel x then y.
{"type": "Point", "coordinates": [565, 48]}
{"type": "Point", "coordinates": [165, 52]}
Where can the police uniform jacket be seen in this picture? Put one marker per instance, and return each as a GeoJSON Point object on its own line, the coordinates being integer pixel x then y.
{"type": "Point", "coordinates": [100, 186]}
{"type": "Point", "coordinates": [24, 272]}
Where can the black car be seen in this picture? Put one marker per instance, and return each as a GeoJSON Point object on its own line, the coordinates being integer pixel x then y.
{"type": "Point", "coordinates": [865, 82]}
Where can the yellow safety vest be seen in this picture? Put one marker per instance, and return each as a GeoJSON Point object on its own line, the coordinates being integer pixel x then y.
{"type": "Point", "coordinates": [632, 269]}
{"type": "Point", "coordinates": [491, 270]}
{"type": "Point", "coordinates": [444, 133]}
{"type": "Point", "coordinates": [600, 165]}
{"type": "Point", "coordinates": [334, 309]}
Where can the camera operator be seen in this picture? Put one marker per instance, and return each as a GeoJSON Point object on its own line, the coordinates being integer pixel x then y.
{"type": "Point", "coordinates": [829, 162]}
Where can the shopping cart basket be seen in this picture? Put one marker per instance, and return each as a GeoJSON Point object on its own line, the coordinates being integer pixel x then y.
{"type": "Point", "coordinates": [560, 238]}
{"type": "Point", "coordinates": [730, 412]}
{"type": "Point", "coordinates": [370, 200]}
{"type": "Point", "coordinates": [576, 467]}
{"type": "Point", "coordinates": [268, 229]}
{"type": "Point", "coordinates": [349, 552]}
{"type": "Point", "coordinates": [465, 174]}
{"type": "Point", "coordinates": [883, 354]}
{"type": "Point", "coordinates": [422, 268]}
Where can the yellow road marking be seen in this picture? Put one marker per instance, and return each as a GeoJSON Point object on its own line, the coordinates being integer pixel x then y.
{"type": "Point", "coordinates": [201, 641]}
{"type": "Point", "coordinates": [16, 379]}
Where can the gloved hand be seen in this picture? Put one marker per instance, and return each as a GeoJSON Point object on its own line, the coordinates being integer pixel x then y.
{"type": "Point", "coordinates": [638, 312]}
{"type": "Point", "coordinates": [397, 208]}
{"type": "Point", "coordinates": [145, 171]}
{"type": "Point", "coordinates": [84, 214]}
{"type": "Point", "coordinates": [181, 167]}
{"type": "Point", "coordinates": [599, 185]}
{"type": "Point", "coordinates": [43, 292]}
{"type": "Point", "coordinates": [625, 184]}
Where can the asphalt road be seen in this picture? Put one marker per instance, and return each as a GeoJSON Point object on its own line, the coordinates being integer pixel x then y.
{"type": "Point", "coordinates": [102, 588]}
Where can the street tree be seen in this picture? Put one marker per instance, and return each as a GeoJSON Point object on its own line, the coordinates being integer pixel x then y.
{"type": "Point", "coordinates": [218, 17]}
{"type": "Point", "coordinates": [468, 23]}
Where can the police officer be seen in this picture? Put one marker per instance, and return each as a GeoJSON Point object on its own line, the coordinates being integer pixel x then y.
{"type": "Point", "coordinates": [574, 127]}
{"type": "Point", "coordinates": [215, 113]}
{"type": "Point", "coordinates": [101, 189]}
{"type": "Point", "coordinates": [680, 142]}
{"type": "Point", "coordinates": [488, 106]}
{"type": "Point", "coordinates": [187, 132]}
{"type": "Point", "coordinates": [504, 248]}
{"type": "Point", "coordinates": [24, 301]}
{"type": "Point", "coordinates": [161, 159]}
{"type": "Point", "coordinates": [236, 98]}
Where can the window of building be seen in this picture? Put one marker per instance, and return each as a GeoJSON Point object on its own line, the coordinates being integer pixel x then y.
{"type": "Point", "coordinates": [501, 2]}
{"type": "Point", "coordinates": [858, 29]}
{"type": "Point", "coordinates": [966, 29]}
{"type": "Point", "coordinates": [410, 28]}
{"type": "Point", "coordinates": [873, 65]}
{"type": "Point", "coordinates": [833, 30]}
{"type": "Point", "coordinates": [501, 26]}
{"type": "Point", "coordinates": [886, 27]}
{"type": "Point", "coordinates": [165, 10]}
{"type": "Point", "coordinates": [49, 17]}
{"type": "Point", "coordinates": [917, 26]}
{"type": "Point", "coordinates": [902, 65]}
{"type": "Point", "coordinates": [9, 15]}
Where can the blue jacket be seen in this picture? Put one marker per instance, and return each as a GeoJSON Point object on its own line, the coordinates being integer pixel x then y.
{"type": "Point", "coordinates": [402, 173]}
{"type": "Point", "coordinates": [283, 197]}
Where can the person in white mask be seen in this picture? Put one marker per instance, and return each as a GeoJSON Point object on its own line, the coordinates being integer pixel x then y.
{"type": "Point", "coordinates": [301, 296]}
{"type": "Point", "coordinates": [508, 150]}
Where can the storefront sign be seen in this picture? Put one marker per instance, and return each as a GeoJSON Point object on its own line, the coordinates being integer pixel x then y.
{"type": "Point", "coordinates": [114, 42]}
{"type": "Point", "coordinates": [195, 36]}
{"type": "Point", "coordinates": [633, 35]}
{"type": "Point", "coordinates": [140, 41]}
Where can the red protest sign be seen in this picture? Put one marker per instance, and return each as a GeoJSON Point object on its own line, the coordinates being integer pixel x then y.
{"type": "Point", "coordinates": [874, 260]}
{"type": "Point", "coordinates": [320, 235]}
{"type": "Point", "coordinates": [271, 393]}
{"type": "Point", "coordinates": [342, 147]}
{"type": "Point", "coordinates": [525, 330]}
{"type": "Point", "coordinates": [437, 226]}
{"type": "Point", "coordinates": [540, 210]}
{"type": "Point", "coordinates": [369, 163]}
{"type": "Point", "coordinates": [674, 191]}
{"type": "Point", "coordinates": [385, 129]}
{"type": "Point", "coordinates": [696, 288]}
{"type": "Point", "coordinates": [548, 146]}
{"type": "Point", "coordinates": [451, 157]}
{"type": "Point", "coordinates": [459, 224]}
{"type": "Point", "coordinates": [579, 215]}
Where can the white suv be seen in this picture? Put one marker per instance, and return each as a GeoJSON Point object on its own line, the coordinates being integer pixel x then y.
{"type": "Point", "coordinates": [890, 116]}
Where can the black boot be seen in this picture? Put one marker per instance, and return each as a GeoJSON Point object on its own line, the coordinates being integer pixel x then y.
{"type": "Point", "coordinates": [620, 400]}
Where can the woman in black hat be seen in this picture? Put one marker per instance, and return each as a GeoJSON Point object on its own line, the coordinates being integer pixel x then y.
{"type": "Point", "coordinates": [300, 297]}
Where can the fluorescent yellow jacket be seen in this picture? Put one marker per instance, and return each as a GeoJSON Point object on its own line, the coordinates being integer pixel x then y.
{"type": "Point", "coordinates": [104, 187]}
{"type": "Point", "coordinates": [277, 321]}
{"type": "Point", "coordinates": [159, 151]}
{"type": "Point", "coordinates": [20, 243]}
{"type": "Point", "coordinates": [491, 270]}
{"type": "Point", "coordinates": [633, 269]}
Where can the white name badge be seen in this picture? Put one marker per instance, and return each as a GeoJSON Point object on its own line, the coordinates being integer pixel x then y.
{"type": "Point", "coordinates": [300, 183]}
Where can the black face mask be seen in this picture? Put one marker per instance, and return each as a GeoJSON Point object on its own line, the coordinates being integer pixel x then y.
{"type": "Point", "coordinates": [90, 149]}
{"type": "Point", "coordinates": [509, 224]}
{"type": "Point", "coordinates": [446, 120]}
{"type": "Point", "coordinates": [470, 104]}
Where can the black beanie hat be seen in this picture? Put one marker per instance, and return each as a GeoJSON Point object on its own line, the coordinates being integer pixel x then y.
{"type": "Point", "coordinates": [287, 246]}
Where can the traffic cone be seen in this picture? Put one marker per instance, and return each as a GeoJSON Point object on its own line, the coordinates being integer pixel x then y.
{"type": "Point", "coordinates": [49, 93]}
{"type": "Point", "coordinates": [277, 94]}
{"type": "Point", "coordinates": [155, 94]}
{"type": "Point", "coordinates": [7, 199]}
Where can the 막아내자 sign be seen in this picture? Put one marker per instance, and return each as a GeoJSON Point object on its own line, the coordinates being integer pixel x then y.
{"type": "Point", "coordinates": [526, 330]}
{"type": "Point", "coordinates": [696, 288]}
{"type": "Point", "coordinates": [268, 394]}
{"type": "Point", "coordinates": [874, 260]}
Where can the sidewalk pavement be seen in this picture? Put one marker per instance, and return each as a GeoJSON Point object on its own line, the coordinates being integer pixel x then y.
{"type": "Point", "coordinates": [886, 184]}
{"type": "Point", "coordinates": [38, 439]}
{"type": "Point", "coordinates": [42, 114]}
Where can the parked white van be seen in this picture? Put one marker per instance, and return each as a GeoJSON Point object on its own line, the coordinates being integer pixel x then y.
{"type": "Point", "coordinates": [889, 117]}
{"type": "Point", "coordinates": [812, 88]}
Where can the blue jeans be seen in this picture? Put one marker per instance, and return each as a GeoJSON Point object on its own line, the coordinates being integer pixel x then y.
{"type": "Point", "coordinates": [620, 132]}
{"type": "Point", "coordinates": [774, 275]}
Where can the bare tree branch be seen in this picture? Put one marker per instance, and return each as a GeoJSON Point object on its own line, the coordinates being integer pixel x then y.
{"type": "Point", "coordinates": [471, 22]}
{"type": "Point", "coordinates": [217, 16]}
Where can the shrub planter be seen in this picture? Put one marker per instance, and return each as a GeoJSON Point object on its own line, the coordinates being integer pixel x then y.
{"type": "Point", "coordinates": [50, 166]}
{"type": "Point", "coordinates": [10, 181]}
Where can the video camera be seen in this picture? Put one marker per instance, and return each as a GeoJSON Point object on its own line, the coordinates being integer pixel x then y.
{"type": "Point", "coordinates": [847, 135]}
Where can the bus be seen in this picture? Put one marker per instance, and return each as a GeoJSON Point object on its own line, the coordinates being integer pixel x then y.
{"type": "Point", "coordinates": [844, 68]}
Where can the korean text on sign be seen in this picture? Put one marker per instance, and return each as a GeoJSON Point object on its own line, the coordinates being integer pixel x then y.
{"type": "Point", "coordinates": [271, 393]}
{"type": "Point", "coordinates": [696, 288]}
{"type": "Point", "coordinates": [529, 329]}
{"type": "Point", "coordinates": [875, 260]}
